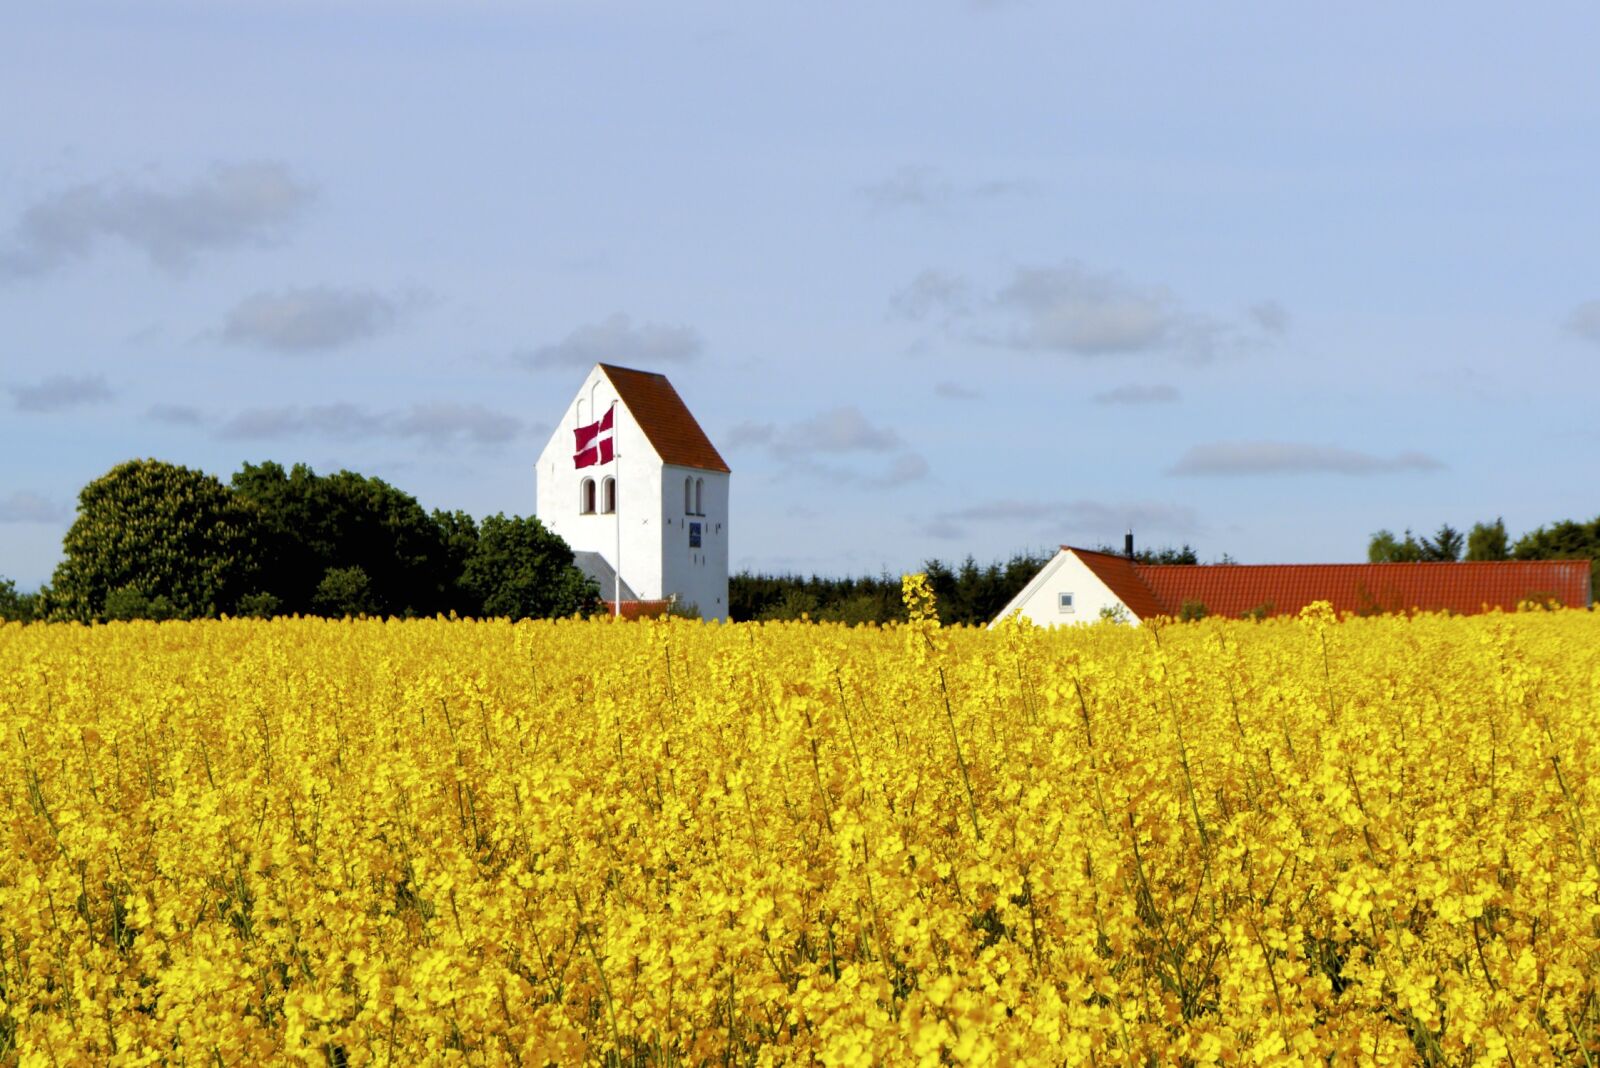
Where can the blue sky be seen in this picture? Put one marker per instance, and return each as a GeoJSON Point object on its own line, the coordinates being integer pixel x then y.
{"type": "Point", "coordinates": [937, 277]}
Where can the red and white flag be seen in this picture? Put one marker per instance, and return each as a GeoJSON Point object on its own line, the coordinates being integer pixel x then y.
{"type": "Point", "coordinates": [595, 442]}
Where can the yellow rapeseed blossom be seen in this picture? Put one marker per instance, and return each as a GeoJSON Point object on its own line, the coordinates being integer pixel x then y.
{"type": "Point", "coordinates": [1300, 841]}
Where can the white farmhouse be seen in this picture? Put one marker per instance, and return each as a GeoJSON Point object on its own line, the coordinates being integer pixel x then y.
{"type": "Point", "coordinates": [652, 502]}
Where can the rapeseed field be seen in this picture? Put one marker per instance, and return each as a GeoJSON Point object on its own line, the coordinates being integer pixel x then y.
{"type": "Point", "coordinates": [1360, 841]}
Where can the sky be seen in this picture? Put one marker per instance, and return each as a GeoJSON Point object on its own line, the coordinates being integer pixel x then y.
{"type": "Point", "coordinates": [937, 277]}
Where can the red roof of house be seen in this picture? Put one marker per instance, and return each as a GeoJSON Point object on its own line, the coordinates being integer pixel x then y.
{"type": "Point", "coordinates": [664, 418]}
{"type": "Point", "coordinates": [1125, 580]}
{"type": "Point", "coordinates": [639, 609]}
{"type": "Point", "coordinates": [1365, 589]}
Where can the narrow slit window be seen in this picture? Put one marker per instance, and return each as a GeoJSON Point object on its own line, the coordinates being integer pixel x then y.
{"type": "Point", "coordinates": [688, 496]}
{"type": "Point", "coordinates": [586, 496]}
{"type": "Point", "coordinates": [699, 496]}
{"type": "Point", "coordinates": [609, 496]}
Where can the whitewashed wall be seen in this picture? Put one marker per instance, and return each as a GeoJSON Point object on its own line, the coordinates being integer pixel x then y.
{"type": "Point", "coordinates": [699, 576]}
{"type": "Point", "coordinates": [1065, 573]}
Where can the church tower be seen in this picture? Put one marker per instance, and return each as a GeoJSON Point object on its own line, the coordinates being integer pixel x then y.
{"type": "Point", "coordinates": [642, 485]}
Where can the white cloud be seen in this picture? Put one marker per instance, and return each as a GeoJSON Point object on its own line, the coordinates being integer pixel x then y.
{"type": "Point", "coordinates": [933, 292]}
{"type": "Point", "coordinates": [924, 187]}
{"type": "Point", "coordinates": [1293, 458]}
{"type": "Point", "coordinates": [1056, 519]}
{"type": "Point", "coordinates": [1133, 394]}
{"type": "Point", "coordinates": [236, 204]}
{"type": "Point", "coordinates": [176, 414]}
{"type": "Point", "coordinates": [843, 429]}
{"type": "Point", "coordinates": [1072, 309]}
{"type": "Point", "coordinates": [437, 423]}
{"type": "Point", "coordinates": [25, 507]}
{"type": "Point", "coordinates": [804, 445]}
{"type": "Point", "coordinates": [616, 340]}
{"type": "Point", "coordinates": [1585, 321]}
{"type": "Point", "coordinates": [309, 318]}
{"type": "Point", "coordinates": [1270, 316]}
{"type": "Point", "coordinates": [59, 392]}
{"type": "Point", "coordinates": [957, 391]}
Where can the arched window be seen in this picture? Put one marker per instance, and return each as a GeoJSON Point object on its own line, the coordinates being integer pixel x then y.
{"type": "Point", "coordinates": [608, 496]}
{"type": "Point", "coordinates": [586, 496]}
{"type": "Point", "coordinates": [699, 496]}
{"type": "Point", "coordinates": [688, 496]}
{"type": "Point", "coordinates": [581, 420]}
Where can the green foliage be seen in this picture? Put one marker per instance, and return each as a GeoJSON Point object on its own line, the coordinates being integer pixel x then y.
{"type": "Point", "coordinates": [1260, 611]}
{"type": "Point", "coordinates": [1191, 611]}
{"type": "Point", "coordinates": [129, 602]}
{"type": "Point", "coordinates": [343, 592]}
{"type": "Point", "coordinates": [1385, 548]}
{"type": "Point", "coordinates": [1444, 547]}
{"type": "Point", "coordinates": [313, 524]}
{"type": "Point", "coordinates": [18, 607]}
{"type": "Point", "coordinates": [1115, 613]}
{"type": "Point", "coordinates": [257, 606]}
{"type": "Point", "coordinates": [168, 533]}
{"type": "Point", "coordinates": [458, 533]}
{"type": "Point", "coordinates": [518, 569]}
{"type": "Point", "coordinates": [1488, 541]}
{"type": "Point", "coordinates": [779, 597]}
{"type": "Point", "coordinates": [1164, 555]}
{"type": "Point", "coordinates": [1565, 540]}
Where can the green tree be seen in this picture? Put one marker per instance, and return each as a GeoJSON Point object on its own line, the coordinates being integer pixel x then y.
{"type": "Point", "coordinates": [1568, 539]}
{"type": "Point", "coordinates": [156, 530]}
{"type": "Point", "coordinates": [518, 569]}
{"type": "Point", "coordinates": [344, 591]}
{"type": "Point", "coordinates": [17, 607]}
{"type": "Point", "coordinates": [1488, 541]}
{"type": "Point", "coordinates": [1385, 548]}
{"type": "Point", "coordinates": [316, 523]}
{"type": "Point", "coordinates": [458, 533]}
{"type": "Point", "coordinates": [1445, 546]}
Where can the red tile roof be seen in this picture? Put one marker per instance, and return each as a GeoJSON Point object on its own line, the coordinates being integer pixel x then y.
{"type": "Point", "coordinates": [1364, 589]}
{"type": "Point", "coordinates": [1123, 576]}
{"type": "Point", "coordinates": [639, 609]}
{"type": "Point", "coordinates": [664, 418]}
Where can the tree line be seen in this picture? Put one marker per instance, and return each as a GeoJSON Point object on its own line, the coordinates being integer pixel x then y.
{"type": "Point", "coordinates": [154, 540]}
{"type": "Point", "coordinates": [1566, 539]}
{"type": "Point", "coordinates": [967, 592]}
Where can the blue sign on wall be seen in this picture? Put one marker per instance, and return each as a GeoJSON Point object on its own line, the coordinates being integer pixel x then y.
{"type": "Point", "coordinates": [694, 535]}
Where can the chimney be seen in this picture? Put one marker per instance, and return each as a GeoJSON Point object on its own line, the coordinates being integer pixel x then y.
{"type": "Point", "coordinates": [1127, 545]}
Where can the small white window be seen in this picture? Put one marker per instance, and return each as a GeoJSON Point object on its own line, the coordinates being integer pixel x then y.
{"type": "Point", "coordinates": [699, 496]}
{"type": "Point", "coordinates": [609, 496]}
{"type": "Point", "coordinates": [1065, 601]}
{"type": "Point", "coordinates": [688, 496]}
{"type": "Point", "coordinates": [586, 496]}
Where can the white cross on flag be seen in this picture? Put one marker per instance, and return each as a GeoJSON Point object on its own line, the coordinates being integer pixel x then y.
{"type": "Point", "coordinates": [595, 442]}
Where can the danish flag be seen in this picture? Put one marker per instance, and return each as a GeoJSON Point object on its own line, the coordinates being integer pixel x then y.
{"type": "Point", "coordinates": [594, 442]}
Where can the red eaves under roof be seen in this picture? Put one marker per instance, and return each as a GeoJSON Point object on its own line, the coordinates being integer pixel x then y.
{"type": "Point", "coordinates": [1364, 589]}
{"type": "Point", "coordinates": [664, 418]}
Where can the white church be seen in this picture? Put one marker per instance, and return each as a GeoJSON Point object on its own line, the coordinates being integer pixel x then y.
{"type": "Point", "coordinates": [632, 483]}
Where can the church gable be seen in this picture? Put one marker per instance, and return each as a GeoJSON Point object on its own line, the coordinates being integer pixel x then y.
{"type": "Point", "coordinates": [666, 421]}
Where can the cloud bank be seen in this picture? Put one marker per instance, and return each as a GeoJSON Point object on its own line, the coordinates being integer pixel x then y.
{"type": "Point", "coordinates": [437, 423]}
{"type": "Point", "coordinates": [60, 392]}
{"type": "Point", "coordinates": [617, 340]}
{"type": "Point", "coordinates": [25, 507]}
{"type": "Point", "coordinates": [1293, 458]}
{"type": "Point", "coordinates": [1072, 309]}
{"type": "Point", "coordinates": [309, 319]}
{"type": "Point", "coordinates": [236, 204]}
